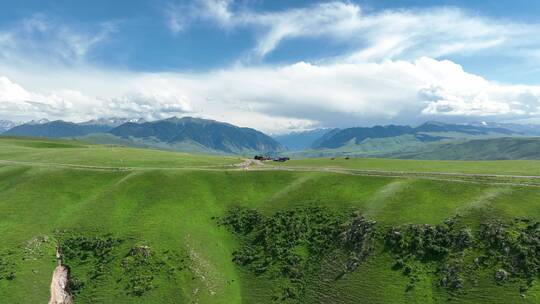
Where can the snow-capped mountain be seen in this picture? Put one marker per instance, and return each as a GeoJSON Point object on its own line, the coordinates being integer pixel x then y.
{"type": "Point", "coordinates": [6, 125]}
{"type": "Point", "coordinates": [113, 121]}
{"type": "Point", "coordinates": [38, 121]}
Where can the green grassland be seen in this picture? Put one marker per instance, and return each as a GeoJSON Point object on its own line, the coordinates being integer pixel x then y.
{"type": "Point", "coordinates": [74, 152]}
{"type": "Point", "coordinates": [504, 167]}
{"type": "Point", "coordinates": [176, 214]}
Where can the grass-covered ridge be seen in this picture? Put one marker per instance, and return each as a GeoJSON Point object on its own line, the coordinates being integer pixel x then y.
{"type": "Point", "coordinates": [73, 152]}
{"type": "Point", "coordinates": [168, 245]}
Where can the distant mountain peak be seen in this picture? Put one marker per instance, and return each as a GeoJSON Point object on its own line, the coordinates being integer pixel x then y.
{"type": "Point", "coordinates": [194, 120]}
{"type": "Point", "coordinates": [434, 123]}
{"type": "Point", "coordinates": [38, 121]}
{"type": "Point", "coordinates": [214, 136]}
{"type": "Point", "coordinates": [7, 124]}
{"type": "Point", "coordinates": [113, 121]}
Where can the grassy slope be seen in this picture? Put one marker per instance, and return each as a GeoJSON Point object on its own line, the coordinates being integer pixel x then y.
{"type": "Point", "coordinates": [173, 210]}
{"type": "Point", "coordinates": [510, 167]}
{"type": "Point", "coordinates": [78, 153]}
{"type": "Point", "coordinates": [486, 149]}
{"type": "Point", "coordinates": [457, 146]}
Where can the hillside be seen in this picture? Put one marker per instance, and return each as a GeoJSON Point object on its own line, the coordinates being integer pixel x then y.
{"type": "Point", "coordinates": [480, 149]}
{"type": "Point", "coordinates": [146, 226]}
{"type": "Point", "coordinates": [198, 135]}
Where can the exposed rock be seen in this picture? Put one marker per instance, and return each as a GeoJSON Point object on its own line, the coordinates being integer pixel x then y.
{"type": "Point", "coordinates": [60, 282]}
{"type": "Point", "coordinates": [59, 286]}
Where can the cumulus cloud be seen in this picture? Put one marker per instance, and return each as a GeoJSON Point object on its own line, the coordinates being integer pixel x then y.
{"type": "Point", "coordinates": [277, 99]}
{"type": "Point", "coordinates": [18, 103]}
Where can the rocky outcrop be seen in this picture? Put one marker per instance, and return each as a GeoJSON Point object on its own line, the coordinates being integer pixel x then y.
{"type": "Point", "coordinates": [60, 283]}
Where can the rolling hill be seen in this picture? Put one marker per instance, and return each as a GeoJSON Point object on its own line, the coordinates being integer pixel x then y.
{"type": "Point", "coordinates": [480, 149]}
{"type": "Point", "coordinates": [146, 226]}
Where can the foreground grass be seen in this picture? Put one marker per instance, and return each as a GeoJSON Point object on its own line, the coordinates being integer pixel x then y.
{"type": "Point", "coordinates": [175, 211]}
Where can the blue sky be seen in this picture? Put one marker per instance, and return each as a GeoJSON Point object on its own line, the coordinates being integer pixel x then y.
{"type": "Point", "coordinates": [274, 65]}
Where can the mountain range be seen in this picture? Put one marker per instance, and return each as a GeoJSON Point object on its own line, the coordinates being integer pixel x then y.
{"type": "Point", "coordinates": [299, 141]}
{"type": "Point", "coordinates": [197, 134]}
{"type": "Point", "coordinates": [183, 134]}
{"type": "Point", "coordinates": [55, 129]}
{"type": "Point", "coordinates": [428, 132]}
{"type": "Point", "coordinates": [430, 140]}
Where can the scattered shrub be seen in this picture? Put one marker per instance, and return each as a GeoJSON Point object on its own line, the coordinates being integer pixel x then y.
{"type": "Point", "coordinates": [140, 266]}
{"type": "Point", "coordinates": [290, 243]}
{"type": "Point", "coordinates": [514, 246]}
{"type": "Point", "coordinates": [358, 238]}
{"type": "Point", "coordinates": [7, 266]}
{"type": "Point", "coordinates": [94, 253]}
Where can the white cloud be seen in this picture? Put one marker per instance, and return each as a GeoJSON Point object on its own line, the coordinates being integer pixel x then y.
{"type": "Point", "coordinates": [176, 19]}
{"type": "Point", "coordinates": [387, 34]}
{"type": "Point", "coordinates": [38, 37]}
{"type": "Point", "coordinates": [277, 99]}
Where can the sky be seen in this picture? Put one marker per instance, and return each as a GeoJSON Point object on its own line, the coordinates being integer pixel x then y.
{"type": "Point", "coordinates": [274, 65]}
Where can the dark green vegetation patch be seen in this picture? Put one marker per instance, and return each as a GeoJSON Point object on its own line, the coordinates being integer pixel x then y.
{"type": "Point", "coordinates": [95, 259]}
{"type": "Point", "coordinates": [89, 257]}
{"type": "Point", "coordinates": [141, 265]}
{"type": "Point", "coordinates": [289, 246]}
{"type": "Point", "coordinates": [7, 266]}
